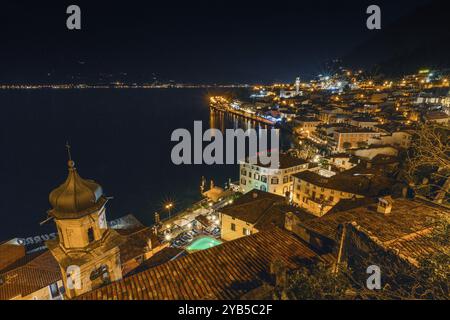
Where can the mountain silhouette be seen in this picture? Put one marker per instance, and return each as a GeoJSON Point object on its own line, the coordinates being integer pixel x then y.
{"type": "Point", "coordinates": [420, 39]}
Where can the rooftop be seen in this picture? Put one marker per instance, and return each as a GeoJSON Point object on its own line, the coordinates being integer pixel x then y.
{"type": "Point", "coordinates": [227, 271]}
{"type": "Point", "coordinates": [360, 185]}
{"type": "Point", "coordinates": [252, 205]}
{"type": "Point", "coordinates": [285, 161]}
{"type": "Point", "coordinates": [136, 242]}
{"type": "Point", "coordinates": [364, 119]}
{"type": "Point", "coordinates": [29, 275]}
{"type": "Point", "coordinates": [436, 115]}
{"type": "Point", "coordinates": [262, 209]}
{"type": "Point", "coordinates": [76, 197]}
{"type": "Point", "coordinates": [351, 129]}
{"type": "Point", "coordinates": [407, 217]}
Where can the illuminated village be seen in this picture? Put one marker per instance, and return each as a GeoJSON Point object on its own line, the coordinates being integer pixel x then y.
{"type": "Point", "coordinates": [367, 184]}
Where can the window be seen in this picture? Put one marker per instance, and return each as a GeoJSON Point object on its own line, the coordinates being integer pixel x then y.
{"type": "Point", "coordinates": [246, 232]}
{"type": "Point", "coordinates": [233, 227]}
{"type": "Point", "coordinates": [264, 179]}
{"type": "Point", "coordinates": [285, 179]}
{"type": "Point", "coordinates": [243, 172]}
{"type": "Point", "coordinates": [243, 181]}
{"type": "Point", "coordinates": [331, 199]}
{"type": "Point", "coordinates": [54, 290]}
{"type": "Point", "coordinates": [100, 275]}
{"type": "Point", "coordinates": [263, 188]}
{"type": "Point", "coordinates": [91, 235]}
{"type": "Point", "coordinates": [274, 180]}
{"type": "Point", "coordinates": [256, 176]}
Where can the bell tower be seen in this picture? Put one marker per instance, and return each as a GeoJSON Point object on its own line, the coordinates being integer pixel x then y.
{"type": "Point", "coordinates": [86, 250]}
{"type": "Point", "coordinates": [297, 85]}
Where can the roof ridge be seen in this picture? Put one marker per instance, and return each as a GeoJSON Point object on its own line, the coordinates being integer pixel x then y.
{"type": "Point", "coordinates": [248, 203]}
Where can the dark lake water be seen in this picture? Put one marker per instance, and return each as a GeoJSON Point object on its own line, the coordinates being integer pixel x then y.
{"type": "Point", "coordinates": [119, 138]}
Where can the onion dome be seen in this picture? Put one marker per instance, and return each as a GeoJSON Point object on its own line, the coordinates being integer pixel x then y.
{"type": "Point", "coordinates": [76, 197]}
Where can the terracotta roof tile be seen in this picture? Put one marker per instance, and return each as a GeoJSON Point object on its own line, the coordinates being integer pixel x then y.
{"type": "Point", "coordinates": [226, 271]}
{"type": "Point", "coordinates": [31, 276]}
{"type": "Point", "coordinates": [407, 217]}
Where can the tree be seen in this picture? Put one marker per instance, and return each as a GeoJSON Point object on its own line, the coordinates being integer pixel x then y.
{"type": "Point", "coordinates": [362, 144]}
{"type": "Point", "coordinates": [428, 162]}
{"type": "Point", "coordinates": [429, 279]}
{"type": "Point", "coordinates": [347, 145]}
{"type": "Point", "coordinates": [315, 282]}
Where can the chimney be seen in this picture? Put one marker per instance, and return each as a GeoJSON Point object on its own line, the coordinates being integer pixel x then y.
{"type": "Point", "coordinates": [385, 205]}
{"type": "Point", "coordinates": [255, 195]}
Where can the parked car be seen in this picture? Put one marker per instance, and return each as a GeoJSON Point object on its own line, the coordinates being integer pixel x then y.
{"type": "Point", "coordinates": [186, 238]}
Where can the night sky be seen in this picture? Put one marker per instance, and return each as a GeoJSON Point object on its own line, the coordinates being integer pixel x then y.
{"type": "Point", "coordinates": [187, 41]}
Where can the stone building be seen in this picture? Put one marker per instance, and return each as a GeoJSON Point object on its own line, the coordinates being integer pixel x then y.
{"type": "Point", "coordinates": [88, 252]}
{"type": "Point", "coordinates": [318, 194]}
{"type": "Point", "coordinates": [253, 212]}
{"type": "Point", "coordinates": [274, 180]}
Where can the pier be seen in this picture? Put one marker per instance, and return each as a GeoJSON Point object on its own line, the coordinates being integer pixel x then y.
{"type": "Point", "coordinates": [223, 106]}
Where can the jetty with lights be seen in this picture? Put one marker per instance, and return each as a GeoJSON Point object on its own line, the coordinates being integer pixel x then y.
{"type": "Point", "coordinates": [236, 107]}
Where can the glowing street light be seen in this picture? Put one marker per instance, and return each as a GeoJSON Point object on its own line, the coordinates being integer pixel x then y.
{"type": "Point", "coordinates": [169, 207]}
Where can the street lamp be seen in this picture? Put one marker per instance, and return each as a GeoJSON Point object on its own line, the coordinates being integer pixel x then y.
{"type": "Point", "coordinates": [169, 207]}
